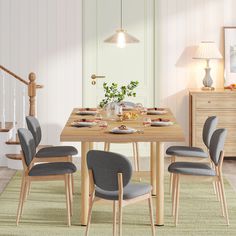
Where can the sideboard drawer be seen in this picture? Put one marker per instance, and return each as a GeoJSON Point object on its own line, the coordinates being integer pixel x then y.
{"type": "Point", "coordinates": [224, 117]}
{"type": "Point", "coordinates": [230, 138]}
{"type": "Point", "coordinates": [219, 102]}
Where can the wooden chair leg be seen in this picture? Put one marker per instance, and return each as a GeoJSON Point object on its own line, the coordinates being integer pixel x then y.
{"type": "Point", "coordinates": [72, 184]}
{"type": "Point", "coordinates": [151, 214]}
{"type": "Point", "coordinates": [70, 193]}
{"type": "Point", "coordinates": [70, 159]}
{"type": "Point", "coordinates": [220, 198]}
{"type": "Point", "coordinates": [105, 146]}
{"type": "Point", "coordinates": [172, 159]}
{"type": "Point", "coordinates": [177, 199]}
{"type": "Point", "coordinates": [224, 200]}
{"type": "Point", "coordinates": [25, 192]}
{"type": "Point", "coordinates": [114, 218]}
{"type": "Point", "coordinates": [217, 191]}
{"type": "Point", "coordinates": [120, 218]}
{"type": "Point", "coordinates": [91, 201]}
{"type": "Point", "coordinates": [135, 157]}
{"type": "Point", "coordinates": [173, 194]}
{"type": "Point", "coordinates": [20, 204]}
{"type": "Point", "coordinates": [171, 183]}
{"type": "Point", "coordinates": [67, 199]}
{"type": "Point", "coordinates": [29, 187]}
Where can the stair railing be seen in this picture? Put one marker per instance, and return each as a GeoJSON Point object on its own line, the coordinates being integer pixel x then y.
{"type": "Point", "coordinates": [32, 93]}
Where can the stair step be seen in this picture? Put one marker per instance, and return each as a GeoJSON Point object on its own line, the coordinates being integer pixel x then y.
{"type": "Point", "coordinates": [14, 156]}
{"type": "Point", "coordinates": [13, 141]}
{"type": "Point", "coordinates": [8, 127]}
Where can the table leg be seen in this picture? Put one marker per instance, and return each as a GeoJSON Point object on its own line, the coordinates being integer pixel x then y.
{"type": "Point", "coordinates": [153, 167]}
{"type": "Point", "coordinates": [84, 183]}
{"type": "Point", "coordinates": [160, 184]}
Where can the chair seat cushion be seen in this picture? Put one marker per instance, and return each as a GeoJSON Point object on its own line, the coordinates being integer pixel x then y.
{"type": "Point", "coordinates": [57, 151]}
{"type": "Point", "coordinates": [56, 168]}
{"type": "Point", "coordinates": [191, 168]}
{"type": "Point", "coordinates": [130, 191]}
{"type": "Point", "coordinates": [186, 151]}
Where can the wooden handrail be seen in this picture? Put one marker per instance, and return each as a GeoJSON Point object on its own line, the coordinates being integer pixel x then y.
{"type": "Point", "coordinates": [14, 75]}
{"type": "Point", "coordinates": [32, 87]}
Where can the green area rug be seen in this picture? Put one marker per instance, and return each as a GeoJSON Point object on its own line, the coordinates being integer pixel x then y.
{"type": "Point", "coordinates": [44, 212]}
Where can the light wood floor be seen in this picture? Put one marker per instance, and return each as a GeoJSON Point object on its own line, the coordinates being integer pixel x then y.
{"type": "Point", "coordinates": [229, 171]}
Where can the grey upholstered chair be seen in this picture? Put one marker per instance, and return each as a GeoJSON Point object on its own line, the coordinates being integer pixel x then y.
{"type": "Point", "coordinates": [202, 171]}
{"type": "Point", "coordinates": [194, 152]}
{"type": "Point", "coordinates": [109, 176]}
{"type": "Point", "coordinates": [42, 172]}
{"type": "Point", "coordinates": [49, 153]}
{"type": "Point", "coordinates": [134, 144]}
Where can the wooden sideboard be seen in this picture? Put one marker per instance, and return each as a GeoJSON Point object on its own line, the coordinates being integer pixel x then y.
{"type": "Point", "coordinates": [220, 103]}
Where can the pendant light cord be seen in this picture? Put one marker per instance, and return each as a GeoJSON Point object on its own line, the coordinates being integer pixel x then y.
{"type": "Point", "coordinates": [121, 14]}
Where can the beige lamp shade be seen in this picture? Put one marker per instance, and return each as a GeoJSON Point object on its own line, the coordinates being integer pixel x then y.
{"type": "Point", "coordinates": [121, 38]}
{"type": "Point", "coordinates": [207, 50]}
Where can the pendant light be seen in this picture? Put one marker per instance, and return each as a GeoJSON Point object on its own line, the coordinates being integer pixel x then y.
{"type": "Point", "coordinates": [121, 37]}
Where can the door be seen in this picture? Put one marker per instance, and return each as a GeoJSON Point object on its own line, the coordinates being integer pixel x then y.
{"type": "Point", "coordinates": [121, 65]}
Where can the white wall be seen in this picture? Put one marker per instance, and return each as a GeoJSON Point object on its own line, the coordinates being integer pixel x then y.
{"type": "Point", "coordinates": [182, 25]}
{"type": "Point", "coordinates": [44, 36]}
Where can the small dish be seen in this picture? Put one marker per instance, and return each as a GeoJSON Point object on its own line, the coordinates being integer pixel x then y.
{"type": "Point", "coordinates": [87, 111]}
{"type": "Point", "coordinates": [128, 130]}
{"type": "Point", "coordinates": [156, 111]}
{"type": "Point", "coordinates": [161, 123]}
{"type": "Point", "coordinates": [85, 123]}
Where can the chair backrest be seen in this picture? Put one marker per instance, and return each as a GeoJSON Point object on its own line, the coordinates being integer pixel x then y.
{"type": "Point", "coordinates": [27, 144]}
{"type": "Point", "coordinates": [208, 129]}
{"type": "Point", "coordinates": [106, 166]}
{"type": "Point", "coordinates": [217, 145]}
{"type": "Point", "coordinates": [35, 129]}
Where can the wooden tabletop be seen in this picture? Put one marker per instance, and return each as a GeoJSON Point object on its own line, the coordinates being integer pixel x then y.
{"type": "Point", "coordinates": [172, 133]}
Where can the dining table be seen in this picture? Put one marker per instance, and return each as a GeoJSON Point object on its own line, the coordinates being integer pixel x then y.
{"type": "Point", "coordinates": [157, 136]}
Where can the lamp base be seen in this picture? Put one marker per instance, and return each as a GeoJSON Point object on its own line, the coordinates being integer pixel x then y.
{"type": "Point", "coordinates": [208, 88]}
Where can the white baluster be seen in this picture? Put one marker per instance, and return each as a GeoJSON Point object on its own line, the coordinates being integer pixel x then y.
{"type": "Point", "coordinates": [14, 111]}
{"type": "Point", "coordinates": [3, 115]}
{"type": "Point", "coordinates": [23, 107]}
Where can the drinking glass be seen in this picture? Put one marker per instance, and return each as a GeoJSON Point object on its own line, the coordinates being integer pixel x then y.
{"type": "Point", "coordinates": [98, 116]}
{"type": "Point", "coordinates": [147, 122]}
{"type": "Point", "coordinates": [103, 124]}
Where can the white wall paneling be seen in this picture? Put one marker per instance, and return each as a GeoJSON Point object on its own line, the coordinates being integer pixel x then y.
{"type": "Point", "coordinates": [44, 36]}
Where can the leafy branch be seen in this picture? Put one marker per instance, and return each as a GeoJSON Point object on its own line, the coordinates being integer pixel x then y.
{"type": "Point", "coordinates": [115, 94]}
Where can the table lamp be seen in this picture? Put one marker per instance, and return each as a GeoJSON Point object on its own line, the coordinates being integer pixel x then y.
{"type": "Point", "coordinates": [207, 50]}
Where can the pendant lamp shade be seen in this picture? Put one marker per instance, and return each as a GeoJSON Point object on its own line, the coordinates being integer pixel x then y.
{"type": "Point", "coordinates": [121, 37]}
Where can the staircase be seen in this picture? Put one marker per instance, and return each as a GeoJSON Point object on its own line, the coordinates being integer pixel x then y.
{"type": "Point", "coordinates": [13, 105]}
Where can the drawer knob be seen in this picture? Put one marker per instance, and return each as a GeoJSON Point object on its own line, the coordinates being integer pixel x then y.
{"type": "Point", "coordinates": [209, 101]}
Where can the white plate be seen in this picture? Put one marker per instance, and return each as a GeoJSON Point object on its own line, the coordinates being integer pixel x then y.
{"type": "Point", "coordinates": [93, 113]}
{"type": "Point", "coordinates": [126, 131]}
{"type": "Point", "coordinates": [156, 112]}
{"type": "Point", "coordinates": [83, 124]}
{"type": "Point", "coordinates": [162, 123]}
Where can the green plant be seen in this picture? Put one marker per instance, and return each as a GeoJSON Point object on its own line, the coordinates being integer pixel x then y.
{"type": "Point", "coordinates": [115, 94]}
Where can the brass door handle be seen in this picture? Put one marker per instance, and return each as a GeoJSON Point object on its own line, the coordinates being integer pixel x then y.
{"type": "Point", "coordinates": [94, 77]}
